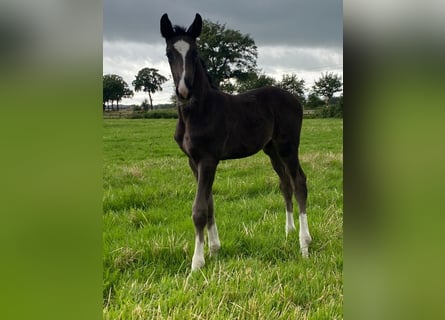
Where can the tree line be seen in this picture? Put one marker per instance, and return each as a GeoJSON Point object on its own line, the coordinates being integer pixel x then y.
{"type": "Point", "coordinates": [115, 88]}
{"type": "Point", "coordinates": [230, 58]}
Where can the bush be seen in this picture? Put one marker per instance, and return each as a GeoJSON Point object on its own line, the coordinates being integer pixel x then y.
{"type": "Point", "coordinates": [156, 114]}
{"type": "Point", "coordinates": [314, 102]}
{"type": "Point", "coordinates": [310, 113]}
{"type": "Point", "coordinates": [145, 105]}
{"type": "Point", "coordinates": [332, 111]}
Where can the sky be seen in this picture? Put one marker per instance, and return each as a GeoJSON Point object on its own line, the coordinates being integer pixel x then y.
{"type": "Point", "coordinates": [304, 37]}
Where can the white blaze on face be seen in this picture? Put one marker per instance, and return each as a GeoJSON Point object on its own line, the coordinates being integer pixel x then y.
{"type": "Point", "coordinates": [182, 47]}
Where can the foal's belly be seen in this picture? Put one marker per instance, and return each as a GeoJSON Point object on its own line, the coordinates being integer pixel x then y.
{"type": "Point", "coordinates": [244, 145]}
{"type": "Point", "coordinates": [232, 143]}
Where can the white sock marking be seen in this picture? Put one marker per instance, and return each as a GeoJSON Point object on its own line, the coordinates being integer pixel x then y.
{"type": "Point", "coordinates": [290, 225]}
{"type": "Point", "coordinates": [214, 243]}
{"type": "Point", "coordinates": [198, 257]}
{"type": "Point", "coordinates": [182, 47]}
{"type": "Point", "coordinates": [305, 237]}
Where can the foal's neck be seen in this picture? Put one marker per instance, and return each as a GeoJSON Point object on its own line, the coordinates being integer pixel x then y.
{"type": "Point", "coordinates": [201, 83]}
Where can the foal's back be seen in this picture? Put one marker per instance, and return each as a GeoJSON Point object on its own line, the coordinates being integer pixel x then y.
{"type": "Point", "coordinates": [256, 117]}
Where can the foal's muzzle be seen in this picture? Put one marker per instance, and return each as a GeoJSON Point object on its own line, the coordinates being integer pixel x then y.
{"type": "Point", "coordinates": [182, 94]}
{"type": "Point", "coordinates": [183, 90]}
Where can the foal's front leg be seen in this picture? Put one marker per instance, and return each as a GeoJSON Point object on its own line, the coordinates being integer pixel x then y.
{"type": "Point", "coordinates": [200, 212]}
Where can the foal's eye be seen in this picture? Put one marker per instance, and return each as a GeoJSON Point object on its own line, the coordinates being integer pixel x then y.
{"type": "Point", "coordinates": [169, 55]}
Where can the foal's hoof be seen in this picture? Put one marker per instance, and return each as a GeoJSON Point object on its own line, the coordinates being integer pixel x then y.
{"type": "Point", "coordinates": [305, 241]}
{"type": "Point", "coordinates": [290, 229]}
{"type": "Point", "coordinates": [214, 248]}
{"type": "Point", "coordinates": [305, 252]}
{"type": "Point", "coordinates": [197, 263]}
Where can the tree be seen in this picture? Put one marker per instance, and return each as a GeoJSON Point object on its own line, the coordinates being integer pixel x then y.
{"type": "Point", "coordinates": [335, 110]}
{"type": "Point", "coordinates": [292, 84]}
{"type": "Point", "coordinates": [145, 105]}
{"type": "Point", "coordinates": [106, 90]}
{"type": "Point", "coordinates": [150, 81]}
{"type": "Point", "coordinates": [173, 99]}
{"type": "Point", "coordinates": [327, 85]}
{"type": "Point", "coordinates": [313, 101]}
{"type": "Point", "coordinates": [253, 81]}
{"type": "Point", "coordinates": [228, 53]}
{"type": "Point", "coordinates": [114, 89]}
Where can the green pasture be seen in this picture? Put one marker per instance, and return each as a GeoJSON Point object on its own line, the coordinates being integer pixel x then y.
{"type": "Point", "coordinates": [148, 234]}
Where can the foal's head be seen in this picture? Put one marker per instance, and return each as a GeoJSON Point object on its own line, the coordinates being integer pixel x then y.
{"type": "Point", "coordinates": [182, 54]}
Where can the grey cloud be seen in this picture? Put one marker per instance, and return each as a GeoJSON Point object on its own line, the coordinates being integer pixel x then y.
{"type": "Point", "coordinates": [308, 23]}
{"type": "Point", "coordinates": [292, 35]}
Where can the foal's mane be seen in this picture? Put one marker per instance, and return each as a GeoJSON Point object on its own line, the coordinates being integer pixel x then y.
{"type": "Point", "coordinates": [179, 30]}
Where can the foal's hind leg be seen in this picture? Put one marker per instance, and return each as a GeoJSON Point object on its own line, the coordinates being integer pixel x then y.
{"type": "Point", "coordinates": [298, 179]}
{"type": "Point", "coordinates": [285, 185]}
{"type": "Point", "coordinates": [214, 243]}
{"type": "Point", "coordinates": [301, 195]}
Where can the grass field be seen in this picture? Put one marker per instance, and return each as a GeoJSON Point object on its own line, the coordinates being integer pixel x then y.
{"type": "Point", "coordinates": [148, 234]}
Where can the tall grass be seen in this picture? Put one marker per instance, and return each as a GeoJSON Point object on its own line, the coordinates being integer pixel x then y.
{"type": "Point", "coordinates": [148, 234]}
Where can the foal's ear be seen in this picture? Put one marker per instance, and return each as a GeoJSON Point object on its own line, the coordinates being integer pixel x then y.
{"type": "Point", "coordinates": [195, 28]}
{"type": "Point", "coordinates": [166, 27]}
